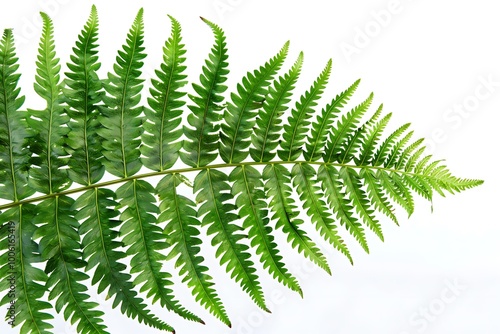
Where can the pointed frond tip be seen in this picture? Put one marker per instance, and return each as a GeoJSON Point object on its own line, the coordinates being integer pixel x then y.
{"type": "Point", "coordinates": [7, 33]}
{"type": "Point", "coordinates": [243, 168]}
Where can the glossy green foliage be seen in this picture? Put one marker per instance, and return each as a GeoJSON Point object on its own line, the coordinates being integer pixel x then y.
{"type": "Point", "coordinates": [80, 196]}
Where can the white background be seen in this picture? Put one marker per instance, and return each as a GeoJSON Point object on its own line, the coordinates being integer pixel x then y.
{"type": "Point", "coordinates": [425, 61]}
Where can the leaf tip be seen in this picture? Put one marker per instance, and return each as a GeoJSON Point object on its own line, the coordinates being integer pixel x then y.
{"type": "Point", "coordinates": [7, 35]}
{"type": "Point", "coordinates": [45, 17]}
{"type": "Point", "coordinates": [140, 16]}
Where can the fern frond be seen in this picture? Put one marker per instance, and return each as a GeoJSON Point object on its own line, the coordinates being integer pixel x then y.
{"type": "Point", "coordinates": [422, 164]}
{"type": "Point", "coordinates": [120, 115]}
{"type": "Point", "coordinates": [384, 149]}
{"type": "Point", "coordinates": [83, 93]}
{"type": "Point", "coordinates": [203, 134]}
{"type": "Point", "coordinates": [296, 130]}
{"type": "Point", "coordinates": [434, 185]}
{"type": "Point", "coordinates": [406, 155]}
{"type": "Point", "coordinates": [211, 187]}
{"type": "Point", "coordinates": [277, 184]}
{"type": "Point", "coordinates": [397, 150]}
{"type": "Point", "coordinates": [399, 194]}
{"type": "Point", "coordinates": [145, 241]}
{"type": "Point", "coordinates": [345, 126]}
{"type": "Point", "coordinates": [239, 115]}
{"type": "Point", "coordinates": [324, 122]}
{"type": "Point", "coordinates": [48, 125]}
{"type": "Point", "coordinates": [405, 191]}
{"type": "Point", "coordinates": [30, 311]}
{"type": "Point", "coordinates": [332, 186]}
{"type": "Point", "coordinates": [162, 123]}
{"type": "Point", "coordinates": [182, 231]}
{"type": "Point", "coordinates": [371, 140]}
{"type": "Point", "coordinates": [452, 183]}
{"type": "Point", "coordinates": [360, 200]}
{"type": "Point", "coordinates": [435, 176]}
{"type": "Point", "coordinates": [341, 168]}
{"type": "Point", "coordinates": [14, 155]}
{"type": "Point", "coordinates": [268, 123]}
{"type": "Point", "coordinates": [60, 242]}
{"type": "Point", "coordinates": [356, 139]}
{"type": "Point", "coordinates": [420, 186]}
{"type": "Point", "coordinates": [413, 159]}
{"type": "Point", "coordinates": [376, 194]}
{"type": "Point", "coordinates": [304, 180]}
{"type": "Point", "coordinates": [60, 247]}
{"type": "Point", "coordinates": [100, 248]}
{"type": "Point", "coordinates": [248, 190]}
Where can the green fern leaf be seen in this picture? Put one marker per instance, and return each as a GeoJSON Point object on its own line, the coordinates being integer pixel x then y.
{"type": "Point", "coordinates": [340, 133]}
{"type": "Point", "coordinates": [395, 191]}
{"type": "Point", "coordinates": [95, 209]}
{"type": "Point", "coordinates": [342, 170]}
{"type": "Point", "coordinates": [60, 247]}
{"type": "Point", "coordinates": [304, 180]}
{"type": "Point", "coordinates": [355, 140]}
{"type": "Point", "coordinates": [419, 167]}
{"type": "Point", "coordinates": [121, 113]}
{"type": "Point", "coordinates": [48, 125]}
{"type": "Point", "coordinates": [203, 136]}
{"type": "Point", "coordinates": [286, 214]}
{"type": "Point", "coordinates": [295, 132]}
{"type": "Point", "coordinates": [182, 231]}
{"type": "Point", "coordinates": [420, 186]}
{"type": "Point", "coordinates": [407, 154]}
{"type": "Point", "coordinates": [60, 242]}
{"type": "Point", "coordinates": [145, 241]}
{"type": "Point", "coordinates": [239, 116]}
{"type": "Point", "coordinates": [413, 159]}
{"type": "Point", "coordinates": [324, 122]}
{"type": "Point", "coordinates": [397, 150]}
{"type": "Point", "coordinates": [268, 124]}
{"type": "Point", "coordinates": [216, 211]}
{"type": "Point", "coordinates": [249, 192]}
{"type": "Point", "coordinates": [332, 186]}
{"type": "Point", "coordinates": [14, 155]}
{"type": "Point", "coordinates": [360, 200]}
{"type": "Point", "coordinates": [384, 149]}
{"type": "Point", "coordinates": [162, 126]}
{"type": "Point", "coordinates": [83, 93]}
{"type": "Point", "coordinates": [371, 140]}
{"type": "Point", "coordinates": [376, 194]}
{"type": "Point", "coordinates": [30, 311]}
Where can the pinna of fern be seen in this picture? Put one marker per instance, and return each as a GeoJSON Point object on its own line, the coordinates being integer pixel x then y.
{"type": "Point", "coordinates": [244, 156]}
